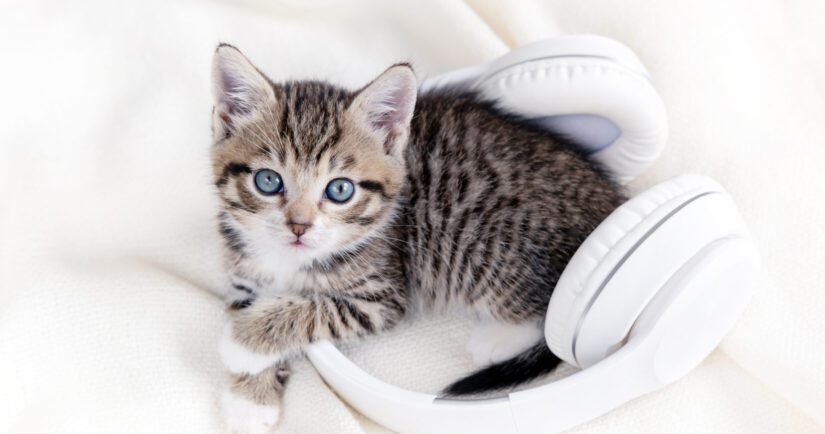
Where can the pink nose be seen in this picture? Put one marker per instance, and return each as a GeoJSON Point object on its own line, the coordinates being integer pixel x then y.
{"type": "Point", "coordinates": [298, 228]}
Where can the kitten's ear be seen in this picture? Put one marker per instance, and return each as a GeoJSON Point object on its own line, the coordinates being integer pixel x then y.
{"type": "Point", "coordinates": [386, 106]}
{"type": "Point", "coordinates": [238, 89]}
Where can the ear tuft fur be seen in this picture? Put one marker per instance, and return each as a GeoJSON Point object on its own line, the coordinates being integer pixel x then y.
{"type": "Point", "coordinates": [238, 88]}
{"type": "Point", "coordinates": [387, 105]}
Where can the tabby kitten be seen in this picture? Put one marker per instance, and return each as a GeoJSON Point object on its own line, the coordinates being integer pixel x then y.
{"type": "Point", "coordinates": [342, 210]}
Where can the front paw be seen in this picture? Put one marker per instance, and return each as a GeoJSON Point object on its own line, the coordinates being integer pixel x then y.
{"type": "Point", "coordinates": [240, 360]}
{"type": "Point", "coordinates": [242, 415]}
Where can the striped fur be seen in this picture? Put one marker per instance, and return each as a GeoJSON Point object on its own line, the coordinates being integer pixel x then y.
{"type": "Point", "coordinates": [463, 207]}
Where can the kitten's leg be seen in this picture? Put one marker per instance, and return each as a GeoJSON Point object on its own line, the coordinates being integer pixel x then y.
{"type": "Point", "coordinates": [273, 329]}
{"type": "Point", "coordinates": [253, 402]}
{"type": "Point", "coordinates": [493, 341]}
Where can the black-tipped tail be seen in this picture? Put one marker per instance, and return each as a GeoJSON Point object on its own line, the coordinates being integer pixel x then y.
{"type": "Point", "coordinates": [532, 363]}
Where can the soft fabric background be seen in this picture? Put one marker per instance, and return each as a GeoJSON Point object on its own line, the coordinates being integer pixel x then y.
{"type": "Point", "coordinates": [109, 263]}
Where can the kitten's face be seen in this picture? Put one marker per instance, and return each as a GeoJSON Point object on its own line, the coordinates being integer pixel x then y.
{"type": "Point", "coordinates": [305, 169]}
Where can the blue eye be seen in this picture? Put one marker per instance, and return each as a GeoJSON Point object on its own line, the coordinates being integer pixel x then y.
{"type": "Point", "coordinates": [268, 182]}
{"type": "Point", "coordinates": [340, 190]}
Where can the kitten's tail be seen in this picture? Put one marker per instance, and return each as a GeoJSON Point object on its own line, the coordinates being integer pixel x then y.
{"type": "Point", "coordinates": [532, 363]}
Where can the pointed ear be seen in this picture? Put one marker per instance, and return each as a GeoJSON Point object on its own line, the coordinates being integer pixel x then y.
{"type": "Point", "coordinates": [238, 89]}
{"type": "Point", "coordinates": [386, 106]}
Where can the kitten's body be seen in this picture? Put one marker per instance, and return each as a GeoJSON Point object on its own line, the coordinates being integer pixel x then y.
{"type": "Point", "coordinates": [460, 206]}
{"type": "Point", "coordinates": [487, 199]}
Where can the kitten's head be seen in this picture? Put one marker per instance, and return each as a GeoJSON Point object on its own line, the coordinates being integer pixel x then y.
{"type": "Point", "coordinates": [306, 169]}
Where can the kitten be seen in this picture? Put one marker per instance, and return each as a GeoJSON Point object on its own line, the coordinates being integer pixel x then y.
{"type": "Point", "coordinates": [342, 210]}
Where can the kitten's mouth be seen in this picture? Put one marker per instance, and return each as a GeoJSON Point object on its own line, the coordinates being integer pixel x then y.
{"type": "Point", "coordinates": [298, 243]}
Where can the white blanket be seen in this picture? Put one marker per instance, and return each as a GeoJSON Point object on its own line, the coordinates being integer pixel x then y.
{"type": "Point", "coordinates": [109, 258]}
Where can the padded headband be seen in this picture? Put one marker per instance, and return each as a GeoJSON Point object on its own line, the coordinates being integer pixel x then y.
{"type": "Point", "coordinates": [590, 88]}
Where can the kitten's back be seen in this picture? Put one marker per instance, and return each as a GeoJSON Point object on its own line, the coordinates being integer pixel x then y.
{"type": "Point", "coordinates": [497, 205]}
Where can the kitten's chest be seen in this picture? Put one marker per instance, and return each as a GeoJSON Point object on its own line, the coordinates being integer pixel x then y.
{"type": "Point", "coordinates": [282, 277]}
{"type": "Point", "coordinates": [282, 282]}
{"type": "Point", "coordinates": [271, 275]}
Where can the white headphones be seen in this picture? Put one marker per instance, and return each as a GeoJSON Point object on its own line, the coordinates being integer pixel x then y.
{"type": "Point", "coordinates": [647, 296]}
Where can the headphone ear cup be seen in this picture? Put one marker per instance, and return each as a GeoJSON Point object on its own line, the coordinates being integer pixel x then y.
{"type": "Point", "coordinates": [602, 254]}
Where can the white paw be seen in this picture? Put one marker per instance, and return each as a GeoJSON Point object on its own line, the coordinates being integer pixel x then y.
{"type": "Point", "coordinates": [495, 342]}
{"type": "Point", "coordinates": [239, 360]}
{"type": "Point", "coordinates": [244, 416]}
